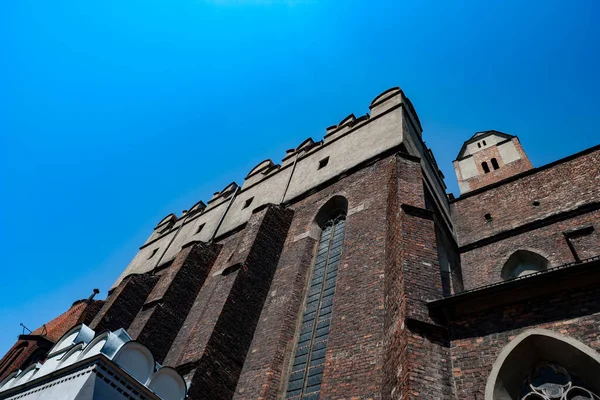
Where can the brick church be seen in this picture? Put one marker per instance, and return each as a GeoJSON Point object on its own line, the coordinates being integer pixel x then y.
{"type": "Point", "coordinates": [347, 272]}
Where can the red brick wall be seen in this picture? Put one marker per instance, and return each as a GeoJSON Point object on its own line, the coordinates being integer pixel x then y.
{"type": "Point", "coordinates": [477, 339]}
{"type": "Point", "coordinates": [216, 335]}
{"type": "Point", "coordinates": [568, 193]}
{"type": "Point", "coordinates": [561, 187]}
{"type": "Point", "coordinates": [389, 267]}
{"type": "Point", "coordinates": [483, 265]}
{"type": "Point", "coordinates": [123, 304]}
{"type": "Point", "coordinates": [166, 307]}
{"type": "Point", "coordinates": [418, 360]}
{"type": "Point", "coordinates": [354, 357]}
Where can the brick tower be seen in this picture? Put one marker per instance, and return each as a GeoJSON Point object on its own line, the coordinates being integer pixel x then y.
{"type": "Point", "coordinates": [489, 157]}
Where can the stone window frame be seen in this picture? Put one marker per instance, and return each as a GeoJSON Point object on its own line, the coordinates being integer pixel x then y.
{"type": "Point", "coordinates": [585, 364]}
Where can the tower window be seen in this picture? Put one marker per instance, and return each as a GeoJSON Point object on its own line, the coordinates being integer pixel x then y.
{"type": "Point", "coordinates": [485, 167]}
{"type": "Point", "coordinates": [478, 144]}
{"type": "Point", "coordinates": [484, 142]}
{"type": "Point", "coordinates": [495, 163]}
{"type": "Point", "coordinates": [323, 162]}
{"type": "Point", "coordinates": [248, 202]}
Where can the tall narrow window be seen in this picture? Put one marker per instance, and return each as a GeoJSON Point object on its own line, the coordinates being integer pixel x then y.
{"type": "Point", "coordinates": [495, 163]}
{"type": "Point", "coordinates": [485, 167]}
{"type": "Point", "coordinates": [308, 361]}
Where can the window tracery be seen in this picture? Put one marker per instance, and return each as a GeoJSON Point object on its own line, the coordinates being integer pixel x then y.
{"type": "Point", "coordinates": [553, 382]}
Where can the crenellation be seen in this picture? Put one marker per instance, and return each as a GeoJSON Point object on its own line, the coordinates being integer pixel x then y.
{"type": "Point", "coordinates": [386, 100]}
{"type": "Point", "coordinates": [304, 168]}
{"type": "Point", "coordinates": [259, 173]}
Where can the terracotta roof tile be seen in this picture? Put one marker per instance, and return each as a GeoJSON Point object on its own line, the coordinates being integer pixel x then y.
{"type": "Point", "coordinates": [57, 327]}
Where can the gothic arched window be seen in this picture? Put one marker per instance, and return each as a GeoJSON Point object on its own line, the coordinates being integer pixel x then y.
{"type": "Point", "coordinates": [311, 345]}
{"type": "Point", "coordinates": [540, 364]}
{"type": "Point", "coordinates": [523, 262]}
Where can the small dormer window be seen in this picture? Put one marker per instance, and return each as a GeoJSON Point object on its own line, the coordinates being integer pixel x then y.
{"type": "Point", "coordinates": [485, 167]}
{"type": "Point", "coordinates": [495, 163]}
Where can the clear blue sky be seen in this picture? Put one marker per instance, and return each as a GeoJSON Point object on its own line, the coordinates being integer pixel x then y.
{"type": "Point", "coordinates": [116, 113]}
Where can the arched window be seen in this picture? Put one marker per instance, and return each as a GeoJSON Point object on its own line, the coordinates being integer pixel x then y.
{"type": "Point", "coordinates": [544, 365]}
{"type": "Point", "coordinates": [495, 163]}
{"type": "Point", "coordinates": [523, 262]}
{"type": "Point", "coordinates": [485, 167]}
{"type": "Point", "coordinates": [311, 345]}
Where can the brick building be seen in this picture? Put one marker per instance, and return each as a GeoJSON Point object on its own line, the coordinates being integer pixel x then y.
{"type": "Point", "coordinates": [347, 272]}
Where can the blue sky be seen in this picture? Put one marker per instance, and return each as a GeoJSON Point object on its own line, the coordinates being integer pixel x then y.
{"type": "Point", "coordinates": [116, 113]}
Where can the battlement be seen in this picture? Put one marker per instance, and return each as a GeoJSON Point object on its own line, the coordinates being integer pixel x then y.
{"type": "Point", "coordinates": [391, 126]}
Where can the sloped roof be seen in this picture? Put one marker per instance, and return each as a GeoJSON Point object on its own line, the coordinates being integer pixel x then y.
{"type": "Point", "coordinates": [480, 135]}
{"type": "Point", "coordinates": [80, 311]}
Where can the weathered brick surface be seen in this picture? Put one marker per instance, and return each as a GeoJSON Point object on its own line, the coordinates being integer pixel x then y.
{"type": "Point", "coordinates": [355, 352]}
{"type": "Point", "coordinates": [416, 352]}
{"type": "Point", "coordinates": [395, 340]}
{"type": "Point", "coordinates": [477, 339]}
{"type": "Point", "coordinates": [365, 335]}
{"type": "Point", "coordinates": [354, 358]}
{"type": "Point", "coordinates": [157, 323]}
{"type": "Point", "coordinates": [483, 265]}
{"type": "Point", "coordinates": [273, 339]}
{"type": "Point", "coordinates": [565, 186]}
{"type": "Point", "coordinates": [123, 304]}
{"type": "Point", "coordinates": [230, 306]}
{"type": "Point", "coordinates": [568, 194]}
